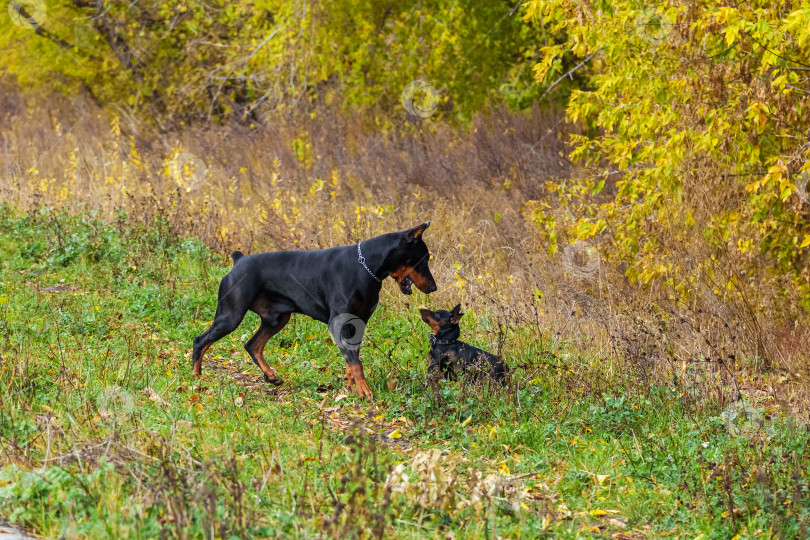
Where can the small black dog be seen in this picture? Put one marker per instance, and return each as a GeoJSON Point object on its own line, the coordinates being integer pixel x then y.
{"type": "Point", "coordinates": [452, 357]}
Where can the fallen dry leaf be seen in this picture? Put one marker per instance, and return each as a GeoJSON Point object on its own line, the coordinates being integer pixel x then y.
{"type": "Point", "coordinates": [601, 478]}
{"type": "Point", "coordinates": [154, 396]}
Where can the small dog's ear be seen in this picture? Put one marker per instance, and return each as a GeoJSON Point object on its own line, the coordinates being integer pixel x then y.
{"type": "Point", "coordinates": [416, 232]}
{"type": "Point", "coordinates": [456, 314]}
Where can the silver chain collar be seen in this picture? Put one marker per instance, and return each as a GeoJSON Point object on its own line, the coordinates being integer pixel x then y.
{"type": "Point", "coordinates": [362, 260]}
{"type": "Point", "coordinates": [436, 341]}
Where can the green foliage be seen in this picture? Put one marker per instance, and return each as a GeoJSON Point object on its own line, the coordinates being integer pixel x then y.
{"type": "Point", "coordinates": [22, 430]}
{"type": "Point", "coordinates": [64, 493]}
{"type": "Point", "coordinates": [695, 118]}
{"type": "Point", "coordinates": [202, 60]}
{"type": "Point", "coordinates": [616, 413]}
{"type": "Point", "coordinates": [70, 239]}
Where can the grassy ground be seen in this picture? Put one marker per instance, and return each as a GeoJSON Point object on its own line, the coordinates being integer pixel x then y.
{"type": "Point", "coordinates": [105, 433]}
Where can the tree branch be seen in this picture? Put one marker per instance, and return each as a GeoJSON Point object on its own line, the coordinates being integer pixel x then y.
{"type": "Point", "coordinates": [37, 28]}
{"type": "Point", "coordinates": [120, 48]}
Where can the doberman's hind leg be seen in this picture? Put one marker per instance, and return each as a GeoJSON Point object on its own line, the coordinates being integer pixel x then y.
{"type": "Point", "coordinates": [255, 346]}
{"type": "Point", "coordinates": [226, 321]}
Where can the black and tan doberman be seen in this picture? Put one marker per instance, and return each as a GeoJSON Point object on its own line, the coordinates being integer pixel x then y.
{"type": "Point", "coordinates": [338, 286]}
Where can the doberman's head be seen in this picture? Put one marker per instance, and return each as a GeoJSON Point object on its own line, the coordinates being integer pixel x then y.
{"type": "Point", "coordinates": [443, 323]}
{"type": "Point", "coordinates": [409, 260]}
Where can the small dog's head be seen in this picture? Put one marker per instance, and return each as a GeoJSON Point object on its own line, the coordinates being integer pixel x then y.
{"type": "Point", "coordinates": [443, 323]}
{"type": "Point", "coordinates": [410, 262]}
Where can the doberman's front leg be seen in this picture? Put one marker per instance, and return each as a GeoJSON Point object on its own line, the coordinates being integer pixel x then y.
{"type": "Point", "coordinates": [347, 331]}
{"type": "Point", "coordinates": [355, 375]}
{"type": "Point", "coordinates": [349, 377]}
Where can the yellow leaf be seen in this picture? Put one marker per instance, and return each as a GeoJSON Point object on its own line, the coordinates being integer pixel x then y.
{"type": "Point", "coordinates": [577, 441]}
{"type": "Point", "coordinates": [468, 420]}
{"type": "Point", "coordinates": [805, 243]}
{"type": "Point", "coordinates": [492, 432]}
{"type": "Point", "coordinates": [598, 513]}
{"type": "Point", "coordinates": [732, 33]}
{"type": "Point", "coordinates": [395, 434]}
{"type": "Point", "coordinates": [602, 478]}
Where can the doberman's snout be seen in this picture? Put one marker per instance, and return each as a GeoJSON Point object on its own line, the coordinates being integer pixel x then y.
{"type": "Point", "coordinates": [424, 281]}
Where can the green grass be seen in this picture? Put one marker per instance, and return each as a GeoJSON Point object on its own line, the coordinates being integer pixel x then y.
{"type": "Point", "coordinates": [105, 434]}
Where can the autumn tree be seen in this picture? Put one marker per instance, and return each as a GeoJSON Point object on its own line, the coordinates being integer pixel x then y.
{"type": "Point", "coordinates": [695, 134]}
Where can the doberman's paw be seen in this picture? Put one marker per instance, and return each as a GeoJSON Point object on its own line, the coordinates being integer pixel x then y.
{"type": "Point", "coordinates": [363, 391]}
{"type": "Point", "coordinates": [356, 379]}
{"type": "Point", "coordinates": [349, 378]}
{"type": "Point", "coordinates": [275, 381]}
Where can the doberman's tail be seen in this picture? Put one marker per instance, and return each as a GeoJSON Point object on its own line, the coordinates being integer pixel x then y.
{"type": "Point", "coordinates": [236, 255]}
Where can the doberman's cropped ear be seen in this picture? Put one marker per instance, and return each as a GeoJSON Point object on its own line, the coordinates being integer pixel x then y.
{"type": "Point", "coordinates": [456, 314]}
{"type": "Point", "coordinates": [416, 232]}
